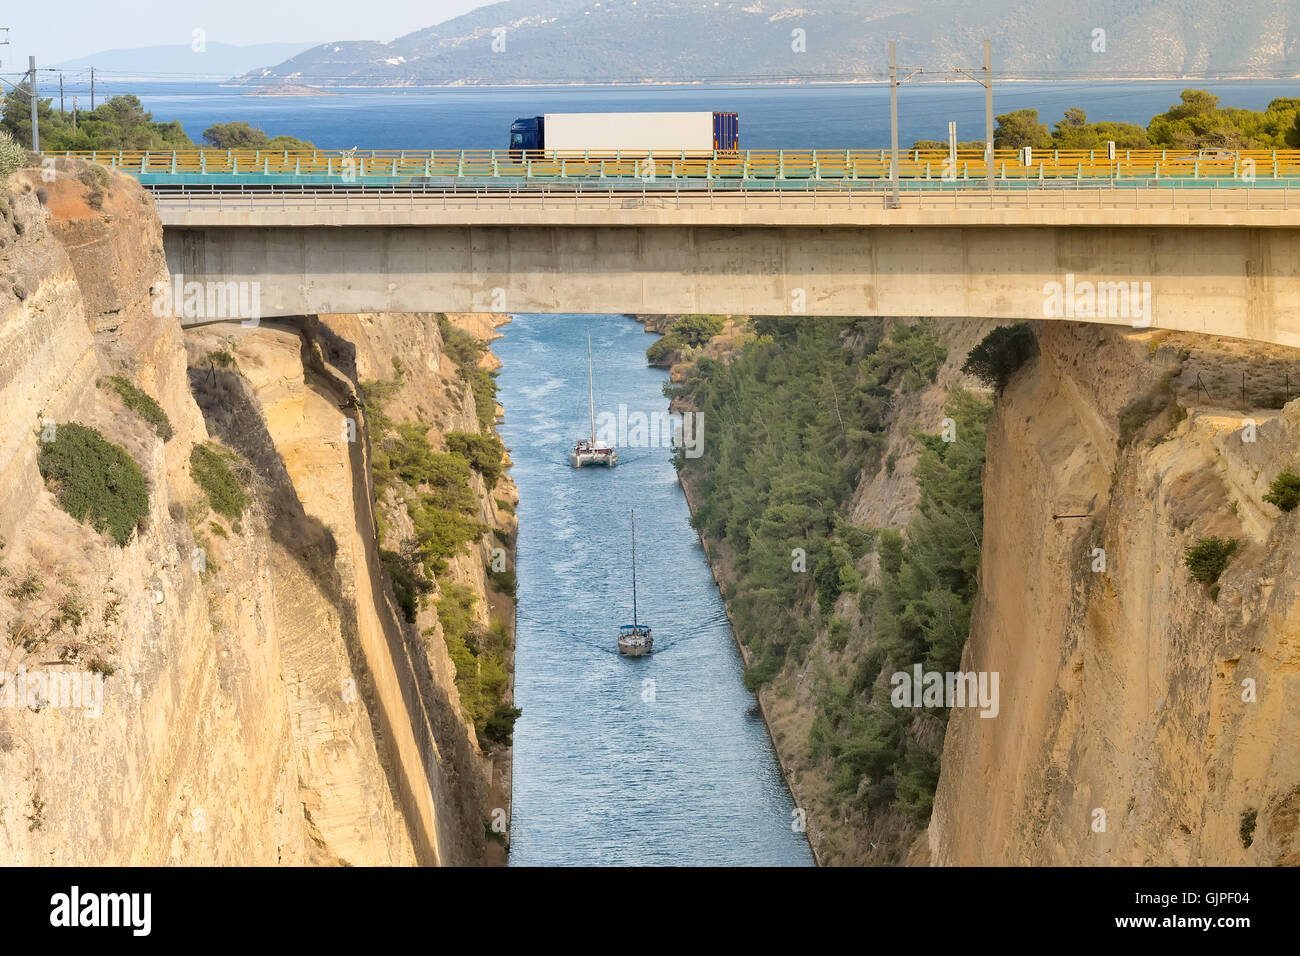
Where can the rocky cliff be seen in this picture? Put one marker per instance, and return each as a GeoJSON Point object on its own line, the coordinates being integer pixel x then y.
{"type": "Point", "coordinates": [1143, 715]}
{"type": "Point", "coordinates": [1146, 717]}
{"type": "Point", "coordinates": [263, 698]}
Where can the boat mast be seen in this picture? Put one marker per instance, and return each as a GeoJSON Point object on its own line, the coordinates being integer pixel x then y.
{"type": "Point", "coordinates": [591, 393]}
{"type": "Point", "coordinates": [634, 568]}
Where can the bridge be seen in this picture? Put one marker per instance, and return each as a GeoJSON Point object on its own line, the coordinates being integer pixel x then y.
{"type": "Point", "coordinates": [1193, 242]}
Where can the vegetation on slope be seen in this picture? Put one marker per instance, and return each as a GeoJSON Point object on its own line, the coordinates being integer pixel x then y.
{"type": "Point", "coordinates": [142, 403]}
{"type": "Point", "coordinates": [802, 414]}
{"type": "Point", "coordinates": [1284, 491]}
{"type": "Point", "coordinates": [435, 486]}
{"type": "Point", "coordinates": [95, 481]}
{"type": "Point", "coordinates": [211, 466]}
{"type": "Point", "coordinates": [466, 351]}
{"type": "Point", "coordinates": [480, 658]}
{"type": "Point", "coordinates": [12, 155]}
{"type": "Point", "coordinates": [688, 332]}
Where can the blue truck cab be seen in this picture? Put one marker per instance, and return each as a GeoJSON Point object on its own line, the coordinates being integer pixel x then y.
{"type": "Point", "coordinates": [527, 133]}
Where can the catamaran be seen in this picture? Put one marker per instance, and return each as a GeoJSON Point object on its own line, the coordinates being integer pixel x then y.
{"type": "Point", "coordinates": [589, 451]}
{"type": "Point", "coordinates": [634, 639]}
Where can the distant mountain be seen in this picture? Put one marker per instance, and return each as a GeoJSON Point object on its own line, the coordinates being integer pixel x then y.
{"type": "Point", "coordinates": [218, 60]}
{"type": "Point", "coordinates": [595, 41]}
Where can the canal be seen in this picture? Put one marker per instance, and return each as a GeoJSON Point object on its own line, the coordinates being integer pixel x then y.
{"type": "Point", "coordinates": [659, 760]}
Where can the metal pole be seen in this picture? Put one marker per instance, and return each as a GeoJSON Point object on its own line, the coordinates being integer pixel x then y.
{"type": "Point", "coordinates": [36, 134]}
{"type": "Point", "coordinates": [893, 125]}
{"type": "Point", "coordinates": [92, 89]}
{"type": "Point", "coordinates": [60, 94]}
{"type": "Point", "coordinates": [988, 109]}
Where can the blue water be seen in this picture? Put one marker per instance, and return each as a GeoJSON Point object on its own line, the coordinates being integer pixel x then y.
{"type": "Point", "coordinates": [656, 760]}
{"type": "Point", "coordinates": [799, 117]}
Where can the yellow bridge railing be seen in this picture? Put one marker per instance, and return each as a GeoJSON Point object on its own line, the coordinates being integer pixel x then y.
{"type": "Point", "coordinates": [833, 164]}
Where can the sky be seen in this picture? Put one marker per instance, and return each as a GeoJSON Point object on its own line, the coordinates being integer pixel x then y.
{"type": "Point", "coordinates": [82, 27]}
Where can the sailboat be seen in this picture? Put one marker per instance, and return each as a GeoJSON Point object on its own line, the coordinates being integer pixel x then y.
{"type": "Point", "coordinates": [589, 451]}
{"type": "Point", "coordinates": [634, 639]}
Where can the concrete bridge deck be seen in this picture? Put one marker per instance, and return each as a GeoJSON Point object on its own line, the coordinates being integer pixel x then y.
{"type": "Point", "coordinates": [1224, 261]}
{"type": "Point", "coordinates": [1059, 206]}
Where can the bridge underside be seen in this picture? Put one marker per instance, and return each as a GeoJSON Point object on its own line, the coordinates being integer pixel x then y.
{"type": "Point", "coordinates": [1242, 282]}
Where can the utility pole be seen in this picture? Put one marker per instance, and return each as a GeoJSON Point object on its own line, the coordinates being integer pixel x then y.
{"type": "Point", "coordinates": [74, 113]}
{"type": "Point", "coordinates": [92, 89]}
{"type": "Point", "coordinates": [36, 134]}
{"type": "Point", "coordinates": [893, 121]}
{"type": "Point", "coordinates": [60, 92]}
{"type": "Point", "coordinates": [988, 109]}
{"type": "Point", "coordinates": [985, 79]}
{"type": "Point", "coordinates": [893, 125]}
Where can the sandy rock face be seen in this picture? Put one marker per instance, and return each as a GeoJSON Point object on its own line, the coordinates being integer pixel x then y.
{"type": "Point", "coordinates": [261, 703]}
{"type": "Point", "coordinates": [1145, 718]}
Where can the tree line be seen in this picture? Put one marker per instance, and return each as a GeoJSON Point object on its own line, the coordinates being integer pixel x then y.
{"type": "Point", "coordinates": [1197, 121]}
{"type": "Point", "coordinates": [123, 123]}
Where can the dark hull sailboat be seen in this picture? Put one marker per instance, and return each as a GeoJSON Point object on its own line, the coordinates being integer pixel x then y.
{"type": "Point", "coordinates": [634, 639]}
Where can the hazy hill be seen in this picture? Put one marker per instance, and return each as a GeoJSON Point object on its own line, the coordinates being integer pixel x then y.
{"type": "Point", "coordinates": [220, 60]}
{"type": "Point", "coordinates": [568, 41]}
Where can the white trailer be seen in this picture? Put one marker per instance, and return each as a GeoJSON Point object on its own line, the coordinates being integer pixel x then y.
{"type": "Point", "coordinates": [630, 132]}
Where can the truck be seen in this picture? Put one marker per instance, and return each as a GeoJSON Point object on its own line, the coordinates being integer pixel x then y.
{"type": "Point", "coordinates": [692, 133]}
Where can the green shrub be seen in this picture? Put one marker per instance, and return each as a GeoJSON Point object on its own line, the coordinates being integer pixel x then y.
{"type": "Point", "coordinates": [761, 672]}
{"type": "Point", "coordinates": [505, 506]}
{"type": "Point", "coordinates": [690, 331]}
{"type": "Point", "coordinates": [838, 633]}
{"type": "Point", "coordinates": [95, 481]}
{"type": "Point", "coordinates": [140, 402]}
{"type": "Point", "coordinates": [221, 358]}
{"type": "Point", "coordinates": [1284, 492]}
{"type": "Point", "coordinates": [483, 452]}
{"type": "Point", "coordinates": [407, 580]}
{"type": "Point", "coordinates": [1000, 354]}
{"type": "Point", "coordinates": [13, 156]}
{"type": "Point", "coordinates": [210, 465]}
{"type": "Point", "coordinates": [1209, 556]}
{"type": "Point", "coordinates": [499, 727]}
{"type": "Point", "coordinates": [479, 658]}
{"type": "Point", "coordinates": [465, 350]}
{"type": "Point", "coordinates": [442, 505]}
{"type": "Point", "coordinates": [1247, 828]}
{"type": "Point", "coordinates": [504, 581]}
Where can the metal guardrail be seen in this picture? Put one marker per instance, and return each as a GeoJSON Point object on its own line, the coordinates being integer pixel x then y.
{"type": "Point", "coordinates": [679, 196]}
{"type": "Point", "coordinates": [783, 166]}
